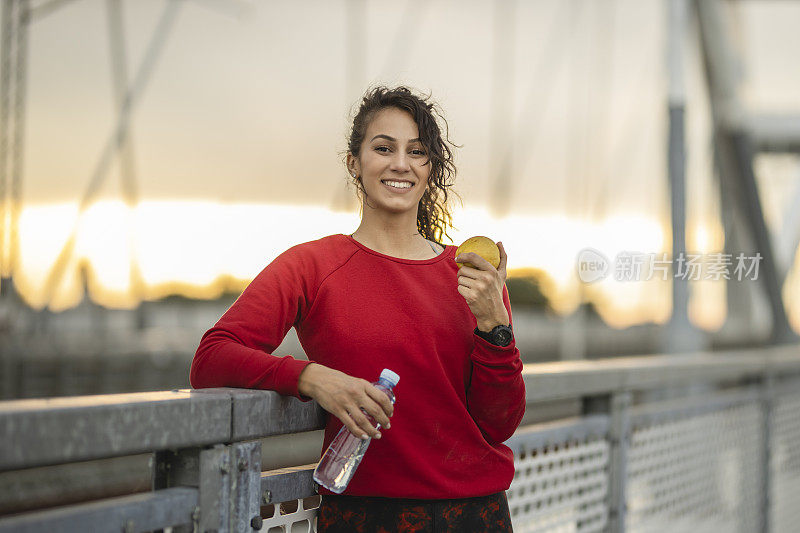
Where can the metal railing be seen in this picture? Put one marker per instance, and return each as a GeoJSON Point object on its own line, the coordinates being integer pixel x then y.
{"type": "Point", "coordinates": [695, 442]}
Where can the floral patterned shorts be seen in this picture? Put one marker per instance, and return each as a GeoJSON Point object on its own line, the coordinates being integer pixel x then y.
{"type": "Point", "coordinates": [372, 514]}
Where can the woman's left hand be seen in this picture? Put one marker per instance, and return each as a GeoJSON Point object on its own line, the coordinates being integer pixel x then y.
{"type": "Point", "coordinates": [482, 288]}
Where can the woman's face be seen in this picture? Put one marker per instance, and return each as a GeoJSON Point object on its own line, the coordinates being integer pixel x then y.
{"type": "Point", "coordinates": [393, 163]}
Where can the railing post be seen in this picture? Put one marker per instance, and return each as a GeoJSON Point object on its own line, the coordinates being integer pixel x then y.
{"type": "Point", "coordinates": [230, 488]}
{"type": "Point", "coordinates": [214, 489]}
{"type": "Point", "coordinates": [617, 406]}
{"type": "Point", "coordinates": [245, 491]}
{"type": "Point", "coordinates": [767, 399]}
{"type": "Point", "coordinates": [228, 478]}
{"type": "Point", "coordinates": [177, 468]}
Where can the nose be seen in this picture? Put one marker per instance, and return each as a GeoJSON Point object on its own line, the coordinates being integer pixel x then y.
{"type": "Point", "coordinates": [400, 162]}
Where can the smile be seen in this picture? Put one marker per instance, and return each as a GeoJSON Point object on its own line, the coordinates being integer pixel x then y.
{"type": "Point", "coordinates": [397, 185]}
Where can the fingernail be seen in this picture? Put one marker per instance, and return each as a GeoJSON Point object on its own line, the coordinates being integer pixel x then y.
{"type": "Point", "coordinates": [388, 426]}
{"type": "Point", "coordinates": [364, 436]}
{"type": "Point", "coordinates": [378, 436]}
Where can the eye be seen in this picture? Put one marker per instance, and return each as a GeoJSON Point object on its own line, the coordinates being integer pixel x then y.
{"type": "Point", "coordinates": [383, 149]}
{"type": "Point", "coordinates": [418, 152]}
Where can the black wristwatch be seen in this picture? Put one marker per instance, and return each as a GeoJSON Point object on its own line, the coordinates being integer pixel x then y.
{"type": "Point", "coordinates": [499, 336]}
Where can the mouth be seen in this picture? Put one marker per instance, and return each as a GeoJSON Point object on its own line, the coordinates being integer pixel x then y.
{"type": "Point", "coordinates": [398, 185]}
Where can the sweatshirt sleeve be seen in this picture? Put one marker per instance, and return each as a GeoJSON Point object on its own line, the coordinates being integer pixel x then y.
{"type": "Point", "coordinates": [496, 393]}
{"type": "Point", "coordinates": [237, 351]}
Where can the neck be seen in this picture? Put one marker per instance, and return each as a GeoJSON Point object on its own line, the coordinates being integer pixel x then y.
{"type": "Point", "coordinates": [392, 234]}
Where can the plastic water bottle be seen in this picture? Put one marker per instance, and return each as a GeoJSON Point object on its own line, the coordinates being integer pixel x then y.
{"type": "Point", "coordinates": [340, 460]}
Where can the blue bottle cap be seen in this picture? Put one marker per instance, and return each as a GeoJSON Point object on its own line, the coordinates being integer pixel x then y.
{"type": "Point", "coordinates": [390, 376]}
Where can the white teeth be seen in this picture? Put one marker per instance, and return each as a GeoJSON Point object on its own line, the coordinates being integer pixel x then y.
{"type": "Point", "coordinates": [398, 184]}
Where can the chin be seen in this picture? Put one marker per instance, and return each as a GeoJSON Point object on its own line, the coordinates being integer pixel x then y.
{"type": "Point", "coordinates": [396, 209]}
{"type": "Point", "coordinates": [397, 206]}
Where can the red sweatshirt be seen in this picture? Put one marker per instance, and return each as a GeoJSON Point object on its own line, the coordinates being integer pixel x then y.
{"type": "Point", "coordinates": [360, 311]}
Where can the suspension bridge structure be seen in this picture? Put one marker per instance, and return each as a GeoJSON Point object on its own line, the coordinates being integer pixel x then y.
{"type": "Point", "coordinates": [687, 439]}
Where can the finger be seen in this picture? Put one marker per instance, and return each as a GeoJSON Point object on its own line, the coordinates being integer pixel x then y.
{"type": "Point", "coordinates": [479, 281]}
{"type": "Point", "coordinates": [377, 414]}
{"type": "Point", "coordinates": [364, 423]}
{"type": "Point", "coordinates": [470, 272]}
{"type": "Point", "coordinates": [467, 293]}
{"type": "Point", "coordinates": [382, 399]}
{"type": "Point", "coordinates": [476, 287]}
{"type": "Point", "coordinates": [351, 424]}
{"type": "Point", "coordinates": [476, 261]}
{"type": "Point", "coordinates": [464, 281]}
{"type": "Point", "coordinates": [503, 258]}
{"type": "Point", "coordinates": [384, 402]}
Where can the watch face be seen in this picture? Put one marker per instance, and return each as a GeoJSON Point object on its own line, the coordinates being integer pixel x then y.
{"type": "Point", "coordinates": [502, 336]}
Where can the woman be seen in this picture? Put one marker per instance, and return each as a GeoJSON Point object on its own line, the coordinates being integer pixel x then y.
{"type": "Point", "coordinates": [390, 296]}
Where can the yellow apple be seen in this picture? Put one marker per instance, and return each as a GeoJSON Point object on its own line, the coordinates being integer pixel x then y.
{"type": "Point", "coordinates": [484, 247]}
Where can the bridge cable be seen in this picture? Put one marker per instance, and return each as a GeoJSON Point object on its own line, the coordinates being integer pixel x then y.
{"type": "Point", "coordinates": [8, 29]}
{"type": "Point", "coordinates": [125, 149]}
{"type": "Point", "coordinates": [20, 90]}
{"type": "Point", "coordinates": [118, 135]}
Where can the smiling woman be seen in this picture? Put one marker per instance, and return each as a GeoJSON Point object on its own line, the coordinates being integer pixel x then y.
{"type": "Point", "coordinates": [400, 164]}
{"type": "Point", "coordinates": [389, 296]}
{"type": "Point", "coordinates": [396, 146]}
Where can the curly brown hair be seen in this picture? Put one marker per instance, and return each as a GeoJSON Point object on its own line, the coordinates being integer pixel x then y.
{"type": "Point", "coordinates": [433, 214]}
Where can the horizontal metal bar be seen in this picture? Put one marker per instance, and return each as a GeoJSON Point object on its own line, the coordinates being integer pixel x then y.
{"type": "Point", "coordinates": [657, 412]}
{"type": "Point", "coordinates": [258, 413]}
{"type": "Point", "coordinates": [288, 483]}
{"type": "Point", "coordinates": [669, 371]}
{"type": "Point", "coordinates": [53, 431]}
{"type": "Point", "coordinates": [281, 451]}
{"type": "Point", "coordinates": [71, 483]}
{"type": "Point", "coordinates": [540, 435]}
{"type": "Point", "coordinates": [61, 430]}
{"type": "Point", "coordinates": [140, 512]}
{"type": "Point", "coordinates": [571, 379]}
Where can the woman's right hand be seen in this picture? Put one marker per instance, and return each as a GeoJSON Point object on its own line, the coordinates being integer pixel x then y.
{"type": "Point", "coordinates": [344, 396]}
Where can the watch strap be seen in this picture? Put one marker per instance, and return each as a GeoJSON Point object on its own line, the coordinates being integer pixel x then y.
{"type": "Point", "coordinates": [491, 336]}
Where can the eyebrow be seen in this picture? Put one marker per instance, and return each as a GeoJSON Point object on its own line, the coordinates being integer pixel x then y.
{"type": "Point", "coordinates": [382, 136]}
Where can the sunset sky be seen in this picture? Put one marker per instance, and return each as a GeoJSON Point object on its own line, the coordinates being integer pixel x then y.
{"type": "Point", "coordinates": [239, 132]}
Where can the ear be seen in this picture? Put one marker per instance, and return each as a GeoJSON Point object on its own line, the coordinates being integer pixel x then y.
{"type": "Point", "coordinates": [353, 167]}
